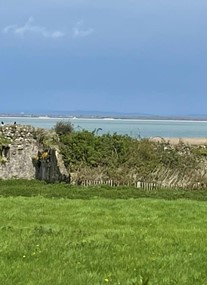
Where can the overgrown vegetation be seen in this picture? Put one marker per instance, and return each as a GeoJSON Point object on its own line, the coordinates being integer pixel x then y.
{"type": "Point", "coordinates": [4, 141]}
{"type": "Point", "coordinates": [125, 159]}
{"type": "Point", "coordinates": [48, 139]}
{"type": "Point", "coordinates": [63, 128]}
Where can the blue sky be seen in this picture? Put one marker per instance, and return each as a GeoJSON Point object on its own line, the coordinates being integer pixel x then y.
{"type": "Point", "coordinates": [140, 56]}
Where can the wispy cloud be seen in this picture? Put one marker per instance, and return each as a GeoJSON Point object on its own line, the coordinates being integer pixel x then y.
{"type": "Point", "coordinates": [80, 32]}
{"type": "Point", "coordinates": [30, 27]}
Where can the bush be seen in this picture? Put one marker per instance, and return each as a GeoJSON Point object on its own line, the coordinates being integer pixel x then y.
{"type": "Point", "coordinates": [63, 128]}
{"type": "Point", "coordinates": [127, 160]}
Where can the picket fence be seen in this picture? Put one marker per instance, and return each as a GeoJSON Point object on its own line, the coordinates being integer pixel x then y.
{"type": "Point", "coordinates": [141, 184]}
{"type": "Point", "coordinates": [112, 183]}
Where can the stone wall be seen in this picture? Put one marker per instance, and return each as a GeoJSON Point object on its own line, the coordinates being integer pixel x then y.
{"type": "Point", "coordinates": [19, 155]}
{"type": "Point", "coordinates": [51, 168]}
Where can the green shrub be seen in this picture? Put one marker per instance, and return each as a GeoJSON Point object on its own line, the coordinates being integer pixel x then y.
{"type": "Point", "coordinates": [127, 160]}
{"type": "Point", "coordinates": [63, 128]}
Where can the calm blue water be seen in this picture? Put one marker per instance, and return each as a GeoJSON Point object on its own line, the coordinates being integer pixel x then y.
{"type": "Point", "coordinates": [135, 128]}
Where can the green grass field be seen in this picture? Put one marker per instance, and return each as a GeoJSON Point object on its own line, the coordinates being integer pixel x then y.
{"type": "Point", "coordinates": [96, 239]}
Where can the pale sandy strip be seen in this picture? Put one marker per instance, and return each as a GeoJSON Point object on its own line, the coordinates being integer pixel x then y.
{"type": "Point", "coordinates": [190, 141]}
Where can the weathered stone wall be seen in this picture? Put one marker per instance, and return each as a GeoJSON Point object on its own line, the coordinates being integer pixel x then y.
{"type": "Point", "coordinates": [17, 156]}
{"type": "Point", "coordinates": [51, 168]}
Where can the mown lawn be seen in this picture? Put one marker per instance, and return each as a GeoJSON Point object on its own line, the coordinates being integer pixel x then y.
{"type": "Point", "coordinates": [102, 241]}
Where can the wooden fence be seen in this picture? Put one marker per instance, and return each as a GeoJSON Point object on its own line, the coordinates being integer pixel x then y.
{"type": "Point", "coordinates": [140, 184]}
{"type": "Point", "coordinates": [112, 183]}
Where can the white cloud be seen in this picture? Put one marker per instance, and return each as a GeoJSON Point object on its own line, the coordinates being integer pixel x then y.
{"type": "Point", "coordinates": [30, 27]}
{"type": "Point", "coordinates": [80, 32]}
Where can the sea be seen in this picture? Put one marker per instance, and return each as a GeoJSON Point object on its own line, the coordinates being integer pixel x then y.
{"type": "Point", "coordinates": [136, 128]}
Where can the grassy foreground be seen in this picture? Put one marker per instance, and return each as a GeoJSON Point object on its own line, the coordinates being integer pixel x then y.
{"type": "Point", "coordinates": [101, 241]}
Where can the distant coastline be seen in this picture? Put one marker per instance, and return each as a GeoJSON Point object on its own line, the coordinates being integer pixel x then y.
{"type": "Point", "coordinates": [139, 127]}
{"type": "Point", "coordinates": [107, 117]}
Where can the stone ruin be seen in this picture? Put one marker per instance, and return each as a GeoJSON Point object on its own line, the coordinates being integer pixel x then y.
{"type": "Point", "coordinates": [24, 154]}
